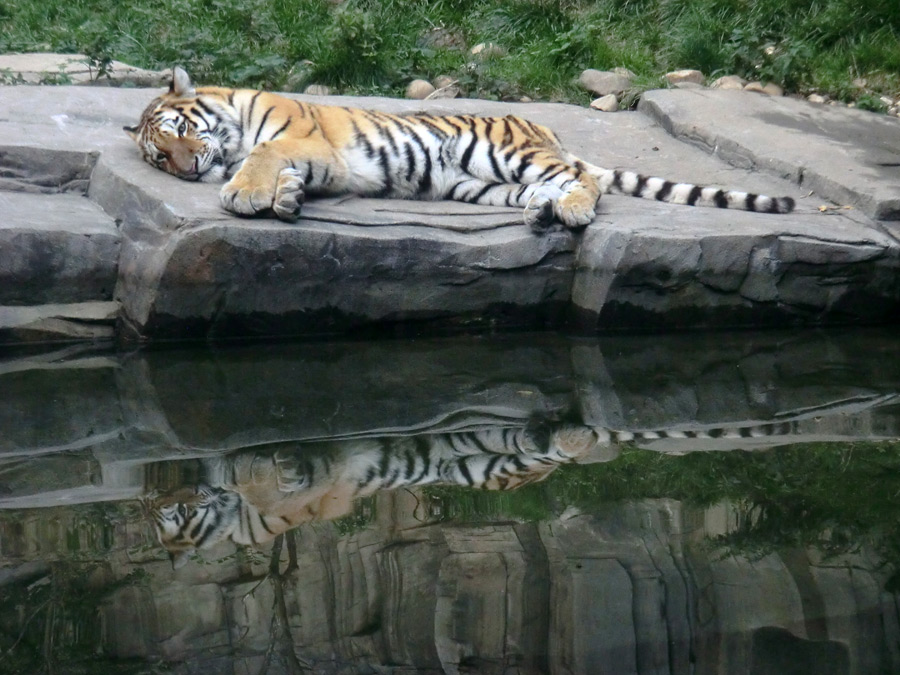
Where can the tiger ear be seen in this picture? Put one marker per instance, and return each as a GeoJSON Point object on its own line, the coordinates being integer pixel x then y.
{"type": "Point", "coordinates": [131, 131]}
{"type": "Point", "coordinates": [181, 83]}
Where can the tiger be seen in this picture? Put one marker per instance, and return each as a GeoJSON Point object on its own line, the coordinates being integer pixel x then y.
{"type": "Point", "coordinates": [252, 496]}
{"type": "Point", "coordinates": [274, 151]}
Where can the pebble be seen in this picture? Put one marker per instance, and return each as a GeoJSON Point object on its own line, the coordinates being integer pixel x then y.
{"type": "Point", "coordinates": [318, 90]}
{"type": "Point", "coordinates": [442, 81]}
{"type": "Point", "coordinates": [487, 50]}
{"type": "Point", "coordinates": [608, 103]}
{"type": "Point", "coordinates": [817, 98]}
{"type": "Point", "coordinates": [604, 82]}
{"type": "Point", "coordinates": [677, 76]}
{"type": "Point", "coordinates": [419, 89]}
{"type": "Point", "coordinates": [729, 82]}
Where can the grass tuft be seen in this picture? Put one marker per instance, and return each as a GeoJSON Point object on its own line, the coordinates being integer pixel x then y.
{"type": "Point", "coordinates": [363, 46]}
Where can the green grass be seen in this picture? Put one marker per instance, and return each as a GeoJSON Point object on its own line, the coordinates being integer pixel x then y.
{"type": "Point", "coordinates": [368, 47]}
{"type": "Point", "coordinates": [836, 497]}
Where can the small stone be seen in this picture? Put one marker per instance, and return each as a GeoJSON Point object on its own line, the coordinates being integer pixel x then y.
{"type": "Point", "coordinates": [487, 50]}
{"type": "Point", "coordinates": [754, 86]}
{"type": "Point", "coordinates": [894, 110]}
{"type": "Point", "coordinates": [773, 89]}
{"type": "Point", "coordinates": [608, 103]}
{"type": "Point", "coordinates": [603, 82]}
{"type": "Point", "coordinates": [442, 81]}
{"type": "Point", "coordinates": [887, 100]}
{"type": "Point", "coordinates": [729, 82]}
{"type": "Point", "coordinates": [451, 90]}
{"type": "Point", "coordinates": [419, 89]}
{"type": "Point", "coordinates": [318, 90]}
{"type": "Point", "coordinates": [677, 76]}
{"type": "Point", "coordinates": [526, 99]}
{"type": "Point", "coordinates": [817, 98]}
{"type": "Point", "coordinates": [860, 83]}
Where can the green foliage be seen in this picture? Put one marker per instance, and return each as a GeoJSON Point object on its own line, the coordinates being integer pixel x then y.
{"type": "Point", "coordinates": [363, 46]}
{"type": "Point", "coordinates": [804, 495]}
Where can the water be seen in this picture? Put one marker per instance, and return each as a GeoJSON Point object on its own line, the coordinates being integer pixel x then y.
{"type": "Point", "coordinates": [721, 503]}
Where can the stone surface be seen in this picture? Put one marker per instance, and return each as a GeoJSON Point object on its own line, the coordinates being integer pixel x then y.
{"type": "Point", "coordinates": [846, 156]}
{"type": "Point", "coordinates": [55, 249]}
{"type": "Point", "coordinates": [603, 82]}
{"type": "Point", "coordinates": [185, 268]}
{"type": "Point", "coordinates": [43, 68]}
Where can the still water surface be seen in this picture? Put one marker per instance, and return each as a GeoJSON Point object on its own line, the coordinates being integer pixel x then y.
{"type": "Point", "coordinates": [721, 503]}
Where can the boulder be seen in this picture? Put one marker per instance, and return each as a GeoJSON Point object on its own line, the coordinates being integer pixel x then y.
{"type": "Point", "coordinates": [603, 82]}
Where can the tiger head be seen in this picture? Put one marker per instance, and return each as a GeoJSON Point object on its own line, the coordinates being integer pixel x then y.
{"type": "Point", "coordinates": [192, 518]}
{"type": "Point", "coordinates": [185, 136]}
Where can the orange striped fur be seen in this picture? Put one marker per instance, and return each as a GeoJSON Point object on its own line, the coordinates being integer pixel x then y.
{"type": "Point", "coordinates": [274, 151]}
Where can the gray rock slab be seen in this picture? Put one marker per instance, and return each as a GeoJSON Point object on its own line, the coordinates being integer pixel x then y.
{"type": "Point", "coordinates": [59, 322]}
{"type": "Point", "coordinates": [55, 249]}
{"type": "Point", "coordinates": [51, 68]}
{"type": "Point", "coordinates": [843, 155]}
{"type": "Point", "coordinates": [188, 269]}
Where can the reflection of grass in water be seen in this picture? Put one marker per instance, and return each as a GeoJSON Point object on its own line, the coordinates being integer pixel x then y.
{"type": "Point", "coordinates": [837, 497]}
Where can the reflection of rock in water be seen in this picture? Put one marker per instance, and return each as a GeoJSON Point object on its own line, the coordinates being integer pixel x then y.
{"type": "Point", "coordinates": [636, 588]}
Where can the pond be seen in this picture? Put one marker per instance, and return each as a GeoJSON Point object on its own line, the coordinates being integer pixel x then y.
{"type": "Point", "coordinates": [697, 503]}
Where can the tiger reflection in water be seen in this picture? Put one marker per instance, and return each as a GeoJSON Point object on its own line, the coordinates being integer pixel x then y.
{"type": "Point", "coordinates": [255, 496]}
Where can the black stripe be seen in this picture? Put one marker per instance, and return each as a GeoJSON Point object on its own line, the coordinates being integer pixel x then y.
{"type": "Point", "coordinates": [467, 153]}
{"type": "Point", "coordinates": [205, 108]}
{"type": "Point", "coordinates": [386, 170]}
{"type": "Point", "coordinates": [664, 191]}
{"type": "Point", "coordinates": [482, 192]}
{"type": "Point", "coordinates": [617, 180]}
{"type": "Point", "coordinates": [489, 468]}
{"type": "Point", "coordinates": [423, 449]}
{"type": "Point", "coordinates": [435, 129]}
{"type": "Point", "coordinates": [524, 165]}
{"type": "Point", "coordinates": [281, 129]}
{"type": "Point", "coordinates": [262, 124]}
{"type": "Point", "coordinates": [750, 202]}
{"type": "Point", "coordinates": [464, 470]}
{"type": "Point", "coordinates": [507, 132]}
{"type": "Point", "coordinates": [694, 195]}
{"type": "Point", "coordinates": [639, 187]}
{"type": "Point", "coordinates": [302, 108]}
{"type": "Point", "coordinates": [410, 161]}
{"type": "Point", "coordinates": [250, 109]}
{"type": "Point", "coordinates": [773, 206]}
{"type": "Point", "coordinates": [720, 199]}
{"type": "Point", "coordinates": [361, 139]}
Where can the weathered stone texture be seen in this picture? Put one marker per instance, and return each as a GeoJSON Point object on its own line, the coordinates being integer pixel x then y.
{"type": "Point", "coordinates": [182, 268]}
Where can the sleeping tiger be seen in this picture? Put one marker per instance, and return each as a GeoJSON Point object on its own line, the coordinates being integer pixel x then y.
{"type": "Point", "coordinates": [254, 496]}
{"type": "Point", "coordinates": [275, 151]}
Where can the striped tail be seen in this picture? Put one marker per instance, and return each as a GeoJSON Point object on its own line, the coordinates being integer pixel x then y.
{"type": "Point", "coordinates": [663, 190]}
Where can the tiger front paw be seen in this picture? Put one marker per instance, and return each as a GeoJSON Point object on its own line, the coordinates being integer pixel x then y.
{"type": "Point", "coordinates": [539, 211]}
{"type": "Point", "coordinates": [244, 198]}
